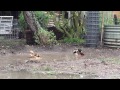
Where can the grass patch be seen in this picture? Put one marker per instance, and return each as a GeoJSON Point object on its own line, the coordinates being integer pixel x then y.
{"type": "Point", "coordinates": [48, 69]}
{"type": "Point", "coordinates": [73, 41]}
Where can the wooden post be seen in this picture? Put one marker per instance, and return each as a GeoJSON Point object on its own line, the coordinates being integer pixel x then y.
{"type": "Point", "coordinates": [69, 15]}
{"type": "Point", "coordinates": [102, 30]}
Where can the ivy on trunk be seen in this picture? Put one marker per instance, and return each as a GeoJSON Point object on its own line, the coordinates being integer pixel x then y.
{"type": "Point", "coordinates": [42, 36]}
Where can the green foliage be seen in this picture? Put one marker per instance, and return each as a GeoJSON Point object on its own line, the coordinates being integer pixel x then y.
{"type": "Point", "coordinates": [108, 17]}
{"type": "Point", "coordinates": [74, 40]}
{"type": "Point", "coordinates": [73, 27]}
{"type": "Point", "coordinates": [41, 36]}
{"type": "Point", "coordinates": [42, 18]}
{"type": "Point", "coordinates": [48, 37]}
{"type": "Point", "coordinates": [22, 22]}
{"type": "Point", "coordinates": [119, 20]}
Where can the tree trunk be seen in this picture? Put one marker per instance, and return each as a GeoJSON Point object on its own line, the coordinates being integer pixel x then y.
{"type": "Point", "coordinates": [28, 15]}
{"type": "Point", "coordinates": [32, 23]}
{"type": "Point", "coordinates": [34, 26]}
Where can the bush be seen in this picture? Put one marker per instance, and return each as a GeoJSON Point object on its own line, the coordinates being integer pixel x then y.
{"type": "Point", "coordinates": [42, 18]}
{"type": "Point", "coordinates": [108, 18]}
{"type": "Point", "coordinates": [73, 40]}
{"type": "Point", "coordinates": [48, 37]}
{"type": "Point", "coordinates": [22, 22]}
{"type": "Point", "coordinates": [42, 35]}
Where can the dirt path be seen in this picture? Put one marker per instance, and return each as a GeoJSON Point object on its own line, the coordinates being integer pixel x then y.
{"type": "Point", "coordinates": [59, 62]}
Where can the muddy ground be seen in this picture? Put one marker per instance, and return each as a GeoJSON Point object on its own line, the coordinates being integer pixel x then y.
{"type": "Point", "coordinates": [58, 62]}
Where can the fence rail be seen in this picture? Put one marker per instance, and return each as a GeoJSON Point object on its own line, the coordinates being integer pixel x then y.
{"type": "Point", "coordinates": [8, 27]}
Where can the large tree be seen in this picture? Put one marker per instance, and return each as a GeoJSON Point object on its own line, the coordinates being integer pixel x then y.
{"type": "Point", "coordinates": [31, 20]}
{"type": "Point", "coordinates": [42, 35]}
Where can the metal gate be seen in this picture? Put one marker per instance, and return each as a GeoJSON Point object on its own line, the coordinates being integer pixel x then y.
{"type": "Point", "coordinates": [8, 27]}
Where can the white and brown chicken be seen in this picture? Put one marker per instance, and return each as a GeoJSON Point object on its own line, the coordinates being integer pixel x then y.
{"type": "Point", "coordinates": [34, 55]}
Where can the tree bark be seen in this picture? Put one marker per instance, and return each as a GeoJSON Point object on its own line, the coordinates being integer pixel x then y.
{"type": "Point", "coordinates": [31, 21]}
{"type": "Point", "coordinates": [35, 26]}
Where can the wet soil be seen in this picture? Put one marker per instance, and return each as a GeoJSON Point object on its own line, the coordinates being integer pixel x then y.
{"type": "Point", "coordinates": [58, 62]}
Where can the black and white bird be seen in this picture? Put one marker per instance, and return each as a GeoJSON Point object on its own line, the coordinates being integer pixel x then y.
{"type": "Point", "coordinates": [78, 52]}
